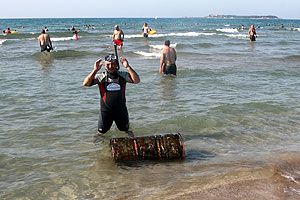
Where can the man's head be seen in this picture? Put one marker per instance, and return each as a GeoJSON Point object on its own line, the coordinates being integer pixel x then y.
{"type": "Point", "coordinates": [116, 27]}
{"type": "Point", "coordinates": [111, 63]}
{"type": "Point", "coordinates": [43, 31]}
{"type": "Point", "coordinates": [167, 43]}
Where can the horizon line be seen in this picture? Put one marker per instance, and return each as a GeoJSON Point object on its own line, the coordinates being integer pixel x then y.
{"type": "Point", "coordinates": [207, 17]}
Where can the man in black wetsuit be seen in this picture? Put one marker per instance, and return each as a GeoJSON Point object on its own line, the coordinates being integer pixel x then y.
{"type": "Point", "coordinates": [112, 89]}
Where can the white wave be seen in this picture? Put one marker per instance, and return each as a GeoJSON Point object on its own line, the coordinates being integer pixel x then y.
{"type": "Point", "coordinates": [153, 54]}
{"type": "Point", "coordinates": [2, 41]}
{"type": "Point", "coordinates": [296, 29]}
{"type": "Point", "coordinates": [162, 46]}
{"type": "Point", "coordinates": [62, 39]}
{"type": "Point", "coordinates": [227, 30]}
{"type": "Point", "coordinates": [191, 34]}
{"type": "Point", "coordinates": [227, 24]}
{"type": "Point", "coordinates": [237, 35]}
{"type": "Point", "coordinates": [133, 36]}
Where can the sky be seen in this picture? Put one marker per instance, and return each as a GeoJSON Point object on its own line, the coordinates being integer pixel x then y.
{"type": "Point", "coordinates": [286, 9]}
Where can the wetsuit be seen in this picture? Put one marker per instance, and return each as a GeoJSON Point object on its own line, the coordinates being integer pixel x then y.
{"type": "Point", "coordinates": [169, 69]}
{"type": "Point", "coordinates": [113, 102]}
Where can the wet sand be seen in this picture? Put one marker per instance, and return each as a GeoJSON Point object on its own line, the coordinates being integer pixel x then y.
{"type": "Point", "coordinates": [278, 181]}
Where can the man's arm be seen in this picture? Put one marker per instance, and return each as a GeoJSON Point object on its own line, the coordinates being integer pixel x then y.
{"type": "Point", "coordinates": [88, 81]}
{"type": "Point", "coordinates": [40, 42]}
{"type": "Point", "coordinates": [50, 43]}
{"type": "Point", "coordinates": [113, 37]}
{"type": "Point", "coordinates": [122, 35]}
{"type": "Point", "coordinates": [175, 54]}
{"type": "Point", "coordinates": [133, 75]}
{"type": "Point", "coordinates": [161, 61]}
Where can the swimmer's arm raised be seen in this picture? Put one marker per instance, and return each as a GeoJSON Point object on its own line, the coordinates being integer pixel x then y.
{"type": "Point", "coordinates": [88, 81]}
{"type": "Point", "coordinates": [133, 75]}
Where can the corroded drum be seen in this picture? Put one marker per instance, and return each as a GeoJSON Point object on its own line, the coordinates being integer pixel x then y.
{"type": "Point", "coordinates": [151, 147]}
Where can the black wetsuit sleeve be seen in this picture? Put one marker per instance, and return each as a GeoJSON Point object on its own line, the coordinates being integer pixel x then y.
{"type": "Point", "coordinates": [95, 81]}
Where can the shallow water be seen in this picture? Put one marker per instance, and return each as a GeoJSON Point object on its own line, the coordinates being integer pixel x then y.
{"type": "Point", "coordinates": [236, 105]}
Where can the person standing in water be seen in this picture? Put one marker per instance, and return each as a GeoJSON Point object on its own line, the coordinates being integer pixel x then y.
{"type": "Point", "coordinates": [252, 33]}
{"type": "Point", "coordinates": [112, 84]}
{"type": "Point", "coordinates": [45, 41]}
{"type": "Point", "coordinates": [168, 60]}
{"type": "Point", "coordinates": [75, 35]}
{"type": "Point", "coordinates": [118, 37]}
{"type": "Point", "coordinates": [146, 30]}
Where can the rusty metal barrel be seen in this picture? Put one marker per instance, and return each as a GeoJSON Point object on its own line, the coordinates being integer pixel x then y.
{"type": "Point", "coordinates": [152, 147]}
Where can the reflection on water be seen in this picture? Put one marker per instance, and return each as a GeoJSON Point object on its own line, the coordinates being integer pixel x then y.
{"type": "Point", "coordinates": [45, 59]}
{"type": "Point", "coordinates": [168, 86]}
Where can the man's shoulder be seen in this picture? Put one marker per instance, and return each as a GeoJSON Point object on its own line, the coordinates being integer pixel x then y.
{"type": "Point", "coordinates": [122, 73]}
{"type": "Point", "coordinates": [100, 76]}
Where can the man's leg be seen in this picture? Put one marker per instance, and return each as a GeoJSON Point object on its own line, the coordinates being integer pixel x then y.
{"type": "Point", "coordinates": [104, 122]}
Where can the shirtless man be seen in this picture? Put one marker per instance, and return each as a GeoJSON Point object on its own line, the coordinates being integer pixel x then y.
{"type": "Point", "coordinates": [252, 33]}
{"type": "Point", "coordinates": [118, 36]}
{"type": "Point", "coordinates": [168, 59]}
{"type": "Point", "coordinates": [45, 42]}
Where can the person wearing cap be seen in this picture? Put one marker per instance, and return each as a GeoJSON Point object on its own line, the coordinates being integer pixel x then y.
{"type": "Point", "coordinates": [118, 36]}
{"type": "Point", "coordinates": [112, 84]}
{"type": "Point", "coordinates": [168, 60]}
{"type": "Point", "coordinates": [44, 41]}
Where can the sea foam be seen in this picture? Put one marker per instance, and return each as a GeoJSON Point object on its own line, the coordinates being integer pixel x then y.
{"type": "Point", "coordinates": [162, 46]}
{"type": "Point", "coordinates": [62, 39]}
{"type": "Point", "coordinates": [237, 35]}
{"type": "Point", "coordinates": [227, 30]}
{"type": "Point", "coordinates": [2, 41]}
{"type": "Point", "coordinates": [151, 54]}
{"type": "Point", "coordinates": [187, 34]}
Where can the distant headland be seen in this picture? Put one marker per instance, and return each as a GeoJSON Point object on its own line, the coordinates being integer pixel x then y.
{"type": "Point", "coordinates": [216, 16]}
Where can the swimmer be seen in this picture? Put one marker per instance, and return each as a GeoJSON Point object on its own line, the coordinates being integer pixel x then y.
{"type": "Point", "coordinates": [118, 37]}
{"type": "Point", "coordinates": [252, 34]}
{"type": "Point", "coordinates": [7, 31]}
{"type": "Point", "coordinates": [75, 35]}
{"type": "Point", "coordinates": [45, 42]}
{"type": "Point", "coordinates": [146, 30]}
{"type": "Point", "coordinates": [168, 60]}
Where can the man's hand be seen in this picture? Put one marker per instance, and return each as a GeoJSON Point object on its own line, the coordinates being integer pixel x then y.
{"type": "Point", "coordinates": [98, 64]}
{"type": "Point", "coordinates": [124, 62]}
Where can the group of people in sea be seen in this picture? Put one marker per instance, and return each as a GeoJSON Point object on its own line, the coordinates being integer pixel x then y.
{"type": "Point", "coordinates": [8, 31]}
{"type": "Point", "coordinates": [112, 82]}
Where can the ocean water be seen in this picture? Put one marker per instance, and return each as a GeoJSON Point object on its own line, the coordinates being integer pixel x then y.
{"type": "Point", "coordinates": [236, 104]}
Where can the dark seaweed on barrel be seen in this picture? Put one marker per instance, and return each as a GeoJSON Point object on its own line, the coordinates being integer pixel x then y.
{"type": "Point", "coordinates": [153, 147]}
